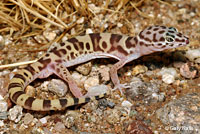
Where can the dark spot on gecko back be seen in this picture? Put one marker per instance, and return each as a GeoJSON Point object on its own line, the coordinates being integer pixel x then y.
{"type": "Point", "coordinates": [46, 104]}
{"type": "Point", "coordinates": [115, 38]}
{"type": "Point", "coordinates": [44, 62]}
{"type": "Point", "coordinates": [121, 50]}
{"type": "Point", "coordinates": [95, 38]}
{"type": "Point", "coordinates": [28, 103]}
{"type": "Point", "coordinates": [128, 42]}
{"type": "Point", "coordinates": [63, 102]}
{"type": "Point", "coordinates": [88, 46]}
{"type": "Point", "coordinates": [104, 44]}
{"type": "Point", "coordinates": [16, 95]}
{"type": "Point", "coordinates": [30, 69]}
{"type": "Point", "coordinates": [19, 76]}
{"type": "Point", "coordinates": [76, 100]}
{"type": "Point", "coordinates": [12, 85]}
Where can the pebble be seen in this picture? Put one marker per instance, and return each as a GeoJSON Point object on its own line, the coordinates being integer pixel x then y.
{"type": "Point", "coordinates": [103, 103]}
{"type": "Point", "coordinates": [49, 35]}
{"type": "Point", "coordinates": [3, 115]}
{"type": "Point", "coordinates": [80, 20]}
{"type": "Point", "coordinates": [28, 118]}
{"type": "Point", "coordinates": [44, 120]}
{"type": "Point", "coordinates": [145, 91]}
{"type": "Point", "coordinates": [59, 126]}
{"type": "Point", "coordinates": [85, 68]}
{"type": "Point", "coordinates": [187, 71]}
{"type": "Point", "coordinates": [96, 90]}
{"type": "Point", "coordinates": [168, 75]}
{"type": "Point", "coordinates": [69, 121]}
{"type": "Point", "coordinates": [183, 113]}
{"type": "Point", "coordinates": [127, 104]}
{"type": "Point", "coordinates": [138, 127]}
{"type": "Point", "coordinates": [104, 73]}
{"type": "Point", "coordinates": [193, 55]}
{"type": "Point", "coordinates": [1, 123]}
{"type": "Point", "coordinates": [139, 69]}
{"type": "Point", "coordinates": [91, 81]}
{"type": "Point", "coordinates": [89, 31]}
{"type": "Point", "coordinates": [3, 106]}
{"type": "Point", "coordinates": [168, 78]}
{"type": "Point", "coordinates": [15, 113]}
{"type": "Point", "coordinates": [58, 87]}
{"type": "Point", "coordinates": [112, 116]}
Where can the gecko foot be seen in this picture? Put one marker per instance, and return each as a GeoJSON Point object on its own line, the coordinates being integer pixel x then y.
{"type": "Point", "coordinates": [120, 87]}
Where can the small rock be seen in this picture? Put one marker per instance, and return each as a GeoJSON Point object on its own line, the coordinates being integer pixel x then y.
{"type": "Point", "coordinates": [44, 119]}
{"type": "Point", "coordinates": [183, 113]}
{"type": "Point", "coordinates": [58, 87]}
{"type": "Point", "coordinates": [139, 69]}
{"type": "Point", "coordinates": [3, 106]}
{"type": "Point", "coordinates": [1, 123]}
{"type": "Point", "coordinates": [15, 113]}
{"type": "Point", "coordinates": [145, 91]}
{"type": "Point", "coordinates": [105, 103]}
{"type": "Point", "coordinates": [85, 68]}
{"type": "Point", "coordinates": [80, 20]}
{"type": "Point", "coordinates": [59, 127]}
{"type": "Point", "coordinates": [96, 90]}
{"type": "Point", "coordinates": [89, 31]}
{"type": "Point", "coordinates": [91, 81]}
{"type": "Point", "coordinates": [112, 116]}
{"type": "Point", "coordinates": [138, 127]}
{"type": "Point", "coordinates": [168, 75]}
{"type": "Point", "coordinates": [94, 8]}
{"type": "Point", "coordinates": [49, 35]}
{"type": "Point", "coordinates": [40, 39]}
{"type": "Point", "coordinates": [28, 118]}
{"type": "Point", "coordinates": [193, 55]}
{"type": "Point", "coordinates": [69, 121]}
{"type": "Point", "coordinates": [126, 104]}
{"type": "Point", "coordinates": [168, 78]}
{"type": "Point", "coordinates": [3, 115]}
{"type": "Point", "coordinates": [104, 73]}
{"type": "Point", "coordinates": [187, 72]}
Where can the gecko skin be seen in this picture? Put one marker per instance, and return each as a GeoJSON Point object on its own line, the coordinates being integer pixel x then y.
{"type": "Point", "coordinates": [84, 48]}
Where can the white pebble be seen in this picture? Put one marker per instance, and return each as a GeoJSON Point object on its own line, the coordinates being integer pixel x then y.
{"type": "Point", "coordinates": [80, 20]}
{"type": "Point", "coordinates": [126, 104]}
{"type": "Point", "coordinates": [1, 98]}
{"type": "Point", "coordinates": [43, 120]}
{"type": "Point", "coordinates": [3, 106]}
{"type": "Point", "coordinates": [1, 123]}
{"type": "Point", "coordinates": [193, 55]}
{"type": "Point", "coordinates": [96, 90]}
{"type": "Point", "coordinates": [171, 71]}
{"type": "Point", "coordinates": [119, 24]}
{"type": "Point", "coordinates": [89, 30]}
{"type": "Point", "coordinates": [15, 113]}
{"type": "Point", "coordinates": [168, 78]}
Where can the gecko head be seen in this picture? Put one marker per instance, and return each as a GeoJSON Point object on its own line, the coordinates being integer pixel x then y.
{"type": "Point", "coordinates": [159, 38]}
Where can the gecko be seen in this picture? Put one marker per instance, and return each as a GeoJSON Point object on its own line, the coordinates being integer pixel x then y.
{"type": "Point", "coordinates": [84, 48]}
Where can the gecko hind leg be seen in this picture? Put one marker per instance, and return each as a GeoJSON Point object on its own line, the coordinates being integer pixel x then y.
{"type": "Point", "coordinates": [64, 74]}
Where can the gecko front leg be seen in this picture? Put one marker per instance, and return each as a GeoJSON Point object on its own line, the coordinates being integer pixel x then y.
{"type": "Point", "coordinates": [64, 74]}
{"type": "Point", "coordinates": [114, 76]}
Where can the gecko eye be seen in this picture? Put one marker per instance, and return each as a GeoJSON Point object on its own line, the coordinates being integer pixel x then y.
{"type": "Point", "coordinates": [174, 29]}
{"type": "Point", "coordinates": [169, 39]}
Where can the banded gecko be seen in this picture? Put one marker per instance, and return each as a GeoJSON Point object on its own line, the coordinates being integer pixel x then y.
{"type": "Point", "coordinates": [84, 48]}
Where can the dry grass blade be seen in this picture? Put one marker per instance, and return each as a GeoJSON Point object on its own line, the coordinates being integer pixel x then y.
{"type": "Point", "coordinates": [17, 64]}
{"type": "Point", "coordinates": [12, 22]}
{"type": "Point", "coordinates": [29, 9]}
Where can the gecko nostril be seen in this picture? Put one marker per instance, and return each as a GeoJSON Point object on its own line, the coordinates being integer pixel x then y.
{"type": "Point", "coordinates": [187, 41]}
